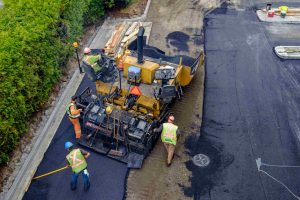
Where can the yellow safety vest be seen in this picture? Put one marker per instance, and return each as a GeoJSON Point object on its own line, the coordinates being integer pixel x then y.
{"type": "Point", "coordinates": [68, 109]}
{"type": "Point", "coordinates": [168, 134]}
{"type": "Point", "coordinates": [76, 161]}
{"type": "Point", "coordinates": [92, 61]}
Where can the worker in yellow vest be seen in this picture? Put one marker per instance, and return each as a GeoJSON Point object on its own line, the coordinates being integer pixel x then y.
{"type": "Point", "coordinates": [92, 59]}
{"type": "Point", "coordinates": [74, 115]}
{"type": "Point", "coordinates": [76, 159]}
{"type": "Point", "coordinates": [169, 136]}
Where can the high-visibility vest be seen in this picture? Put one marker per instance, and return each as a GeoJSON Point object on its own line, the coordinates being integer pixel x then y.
{"type": "Point", "coordinates": [92, 61]}
{"type": "Point", "coordinates": [68, 109]}
{"type": "Point", "coordinates": [168, 134]}
{"type": "Point", "coordinates": [76, 161]}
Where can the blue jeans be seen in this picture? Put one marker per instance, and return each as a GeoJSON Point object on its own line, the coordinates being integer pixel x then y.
{"type": "Point", "coordinates": [86, 180]}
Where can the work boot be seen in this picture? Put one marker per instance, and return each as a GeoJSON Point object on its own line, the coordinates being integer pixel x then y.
{"type": "Point", "coordinates": [86, 188]}
{"type": "Point", "coordinates": [168, 164]}
{"type": "Point", "coordinates": [73, 187]}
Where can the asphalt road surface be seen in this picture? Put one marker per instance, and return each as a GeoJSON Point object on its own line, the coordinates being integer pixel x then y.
{"type": "Point", "coordinates": [107, 176]}
{"type": "Point", "coordinates": [251, 110]}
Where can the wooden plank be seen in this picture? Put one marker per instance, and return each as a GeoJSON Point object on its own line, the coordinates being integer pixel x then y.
{"type": "Point", "coordinates": [134, 33]}
{"type": "Point", "coordinates": [121, 35]}
{"type": "Point", "coordinates": [114, 39]}
{"type": "Point", "coordinates": [131, 28]}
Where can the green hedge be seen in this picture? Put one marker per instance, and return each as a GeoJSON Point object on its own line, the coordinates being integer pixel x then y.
{"type": "Point", "coordinates": [35, 42]}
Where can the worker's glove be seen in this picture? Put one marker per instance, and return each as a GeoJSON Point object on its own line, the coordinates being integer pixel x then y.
{"type": "Point", "coordinates": [86, 172]}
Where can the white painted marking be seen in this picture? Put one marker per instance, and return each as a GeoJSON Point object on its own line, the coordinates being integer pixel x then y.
{"type": "Point", "coordinates": [259, 164]}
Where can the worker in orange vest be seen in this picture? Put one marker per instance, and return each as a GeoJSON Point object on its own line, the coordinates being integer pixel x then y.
{"type": "Point", "coordinates": [74, 115]}
{"type": "Point", "coordinates": [169, 137]}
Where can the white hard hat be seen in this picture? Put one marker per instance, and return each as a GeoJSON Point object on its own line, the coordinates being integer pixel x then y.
{"type": "Point", "coordinates": [87, 50]}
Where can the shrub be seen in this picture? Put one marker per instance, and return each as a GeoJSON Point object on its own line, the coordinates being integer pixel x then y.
{"type": "Point", "coordinates": [29, 65]}
{"type": "Point", "coordinates": [35, 40]}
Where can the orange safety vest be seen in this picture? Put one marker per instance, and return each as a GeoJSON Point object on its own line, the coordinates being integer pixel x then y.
{"type": "Point", "coordinates": [68, 109]}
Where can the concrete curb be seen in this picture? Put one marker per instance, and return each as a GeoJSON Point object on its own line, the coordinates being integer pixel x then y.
{"type": "Point", "coordinates": [262, 16]}
{"type": "Point", "coordinates": [27, 171]}
{"type": "Point", "coordinates": [29, 167]}
{"type": "Point", "coordinates": [288, 52]}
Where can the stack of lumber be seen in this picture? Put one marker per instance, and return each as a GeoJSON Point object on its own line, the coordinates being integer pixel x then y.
{"type": "Point", "coordinates": [130, 36]}
{"type": "Point", "coordinates": [123, 34]}
{"type": "Point", "coordinates": [131, 33]}
{"type": "Point", "coordinates": [113, 43]}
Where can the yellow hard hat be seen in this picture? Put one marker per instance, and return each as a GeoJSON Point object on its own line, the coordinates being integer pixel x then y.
{"type": "Point", "coordinates": [108, 110]}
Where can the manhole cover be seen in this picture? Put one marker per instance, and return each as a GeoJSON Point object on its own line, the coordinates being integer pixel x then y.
{"type": "Point", "coordinates": [201, 160]}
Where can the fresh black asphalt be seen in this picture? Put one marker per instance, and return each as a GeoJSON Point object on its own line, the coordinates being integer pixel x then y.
{"type": "Point", "coordinates": [107, 176]}
{"type": "Point", "coordinates": [251, 109]}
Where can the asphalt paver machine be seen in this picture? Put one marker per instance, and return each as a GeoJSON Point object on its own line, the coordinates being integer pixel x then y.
{"type": "Point", "coordinates": [119, 120]}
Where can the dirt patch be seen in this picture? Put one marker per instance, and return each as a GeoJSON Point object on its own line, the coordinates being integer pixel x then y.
{"type": "Point", "coordinates": [135, 8]}
{"type": "Point", "coordinates": [177, 29]}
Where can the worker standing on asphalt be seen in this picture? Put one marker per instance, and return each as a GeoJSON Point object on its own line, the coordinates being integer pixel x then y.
{"type": "Point", "coordinates": [74, 115]}
{"type": "Point", "coordinates": [169, 136]}
{"type": "Point", "coordinates": [76, 159]}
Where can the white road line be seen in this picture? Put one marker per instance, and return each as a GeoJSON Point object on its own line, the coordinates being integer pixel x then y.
{"type": "Point", "coordinates": [259, 164]}
{"type": "Point", "coordinates": [286, 187]}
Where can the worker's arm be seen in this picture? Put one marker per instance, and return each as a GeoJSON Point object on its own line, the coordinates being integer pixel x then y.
{"type": "Point", "coordinates": [86, 154]}
{"type": "Point", "coordinates": [74, 111]}
{"type": "Point", "coordinates": [159, 129]}
{"type": "Point", "coordinates": [178, 134]}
